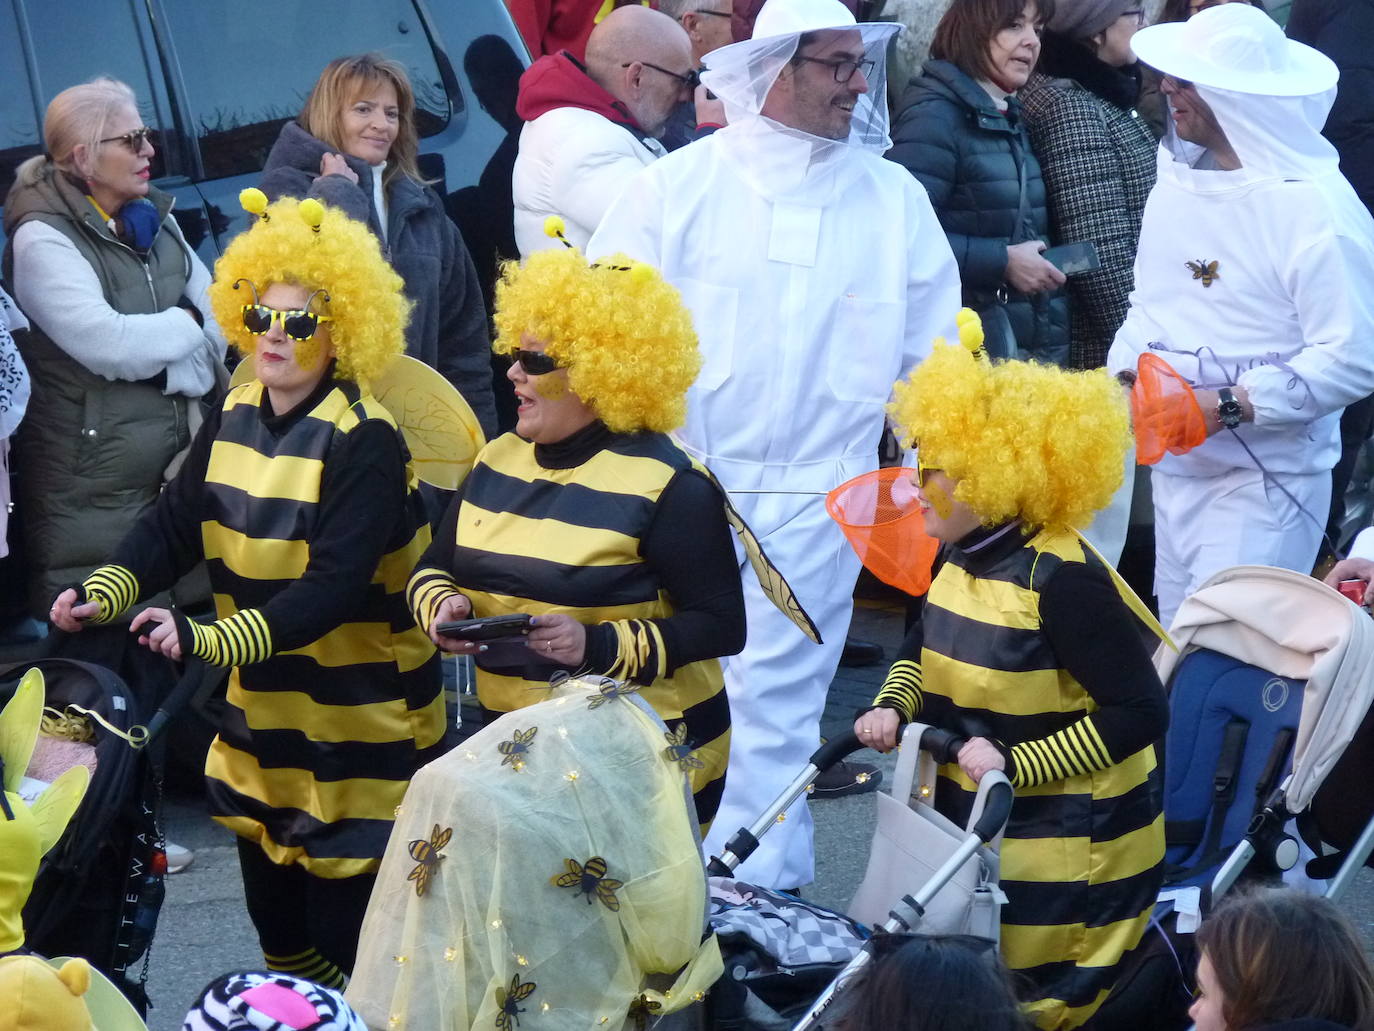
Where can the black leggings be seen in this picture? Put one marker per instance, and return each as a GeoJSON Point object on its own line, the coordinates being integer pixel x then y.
{"type": "Point", "coordinates": [295, 911]}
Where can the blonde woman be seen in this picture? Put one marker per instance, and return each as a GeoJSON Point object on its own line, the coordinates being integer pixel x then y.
{"type": "Point", "coordinates": [122, 343]}
{"type": "Point", "coordinates": [354, 147]}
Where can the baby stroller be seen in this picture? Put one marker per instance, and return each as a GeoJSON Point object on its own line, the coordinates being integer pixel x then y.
{"type": "Point", "coordinates": [99, 891]}
{"type": "Point", "coordinates": [1271, 684]}
{"type": "Point", "coordinates": [547, 873]}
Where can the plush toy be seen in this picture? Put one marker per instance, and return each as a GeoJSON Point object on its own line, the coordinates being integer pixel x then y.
{"type": "Point", "coordinates": [27, 832]}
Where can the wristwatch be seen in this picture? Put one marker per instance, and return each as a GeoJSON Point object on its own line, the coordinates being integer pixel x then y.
{"type": "Point", "coordinates": [1228, 409]}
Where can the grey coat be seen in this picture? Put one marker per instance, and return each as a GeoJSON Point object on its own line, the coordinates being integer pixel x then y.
{"type": "Point", "coordinates": [448, 328]}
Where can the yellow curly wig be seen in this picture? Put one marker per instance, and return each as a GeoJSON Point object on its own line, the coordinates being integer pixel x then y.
{"type": "Point", "coordinates": [619, 328]}
{"type": "Point", "coordinates": [368, 309]}
{"type": "Point", "coordinates": [1022, 439]}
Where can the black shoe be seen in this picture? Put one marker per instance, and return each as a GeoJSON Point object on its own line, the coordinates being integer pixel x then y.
{"type": "Point", "coordinates": [860, 653]}
{"type": "Point", "coordinates": [846, 778]}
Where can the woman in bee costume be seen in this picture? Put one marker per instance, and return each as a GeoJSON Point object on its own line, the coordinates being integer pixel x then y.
{"type": "Point", "coordinates": [1028, 648]}
{"type": "Point", "coordinates": [299, 495]}
{"type": "Point", "coordinates": [589, 517]}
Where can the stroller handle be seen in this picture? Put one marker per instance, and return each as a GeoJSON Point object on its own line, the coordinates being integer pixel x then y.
{"type": "Point", "coordinates": [997, 808]}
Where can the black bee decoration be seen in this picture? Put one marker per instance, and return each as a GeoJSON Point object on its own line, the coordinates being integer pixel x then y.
{"type": "Point", "coordinates": [641, 1010]}
{"type": "Point", "coordinates": [1204, 270]}
{"type": "Point", "coordinates": [590, 880]}
{"type": "Point", "coordinates": [609, 691]}
{"type": "Point", "coordinates": [680, 752]}
{"type": "Point", "coordinates": [508, 1000]}
{"type": "Point", "coordinates": [517, 747]}
{"type": "Point", "coordinates": [426, 856]}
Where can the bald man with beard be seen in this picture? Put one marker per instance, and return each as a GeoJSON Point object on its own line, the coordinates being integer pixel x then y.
{"type": "Point", "coordinates": [590, 127]}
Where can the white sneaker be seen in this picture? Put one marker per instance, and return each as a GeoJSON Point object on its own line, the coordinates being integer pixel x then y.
{"type": "Point", "coordinates": [178, 858]}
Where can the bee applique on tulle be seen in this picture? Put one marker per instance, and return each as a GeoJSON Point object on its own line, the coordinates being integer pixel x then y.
{"type": "Point", "coordinates": [426, 856]}
{"type": "Point", "coordinates": [609, 690]}
{"type": "Point", "coordinates": [680, 752]}
{"type": "Point", "coordinates": [641, 1010]}
{"type": "Point", "coordinates": [508, 1001]}
{"type": "Point", "coordinates": [517, 748]}
{"type": "Point", "coordinates": [1204, 270]}
{"type": "Point", "coordinates": [590, 880]}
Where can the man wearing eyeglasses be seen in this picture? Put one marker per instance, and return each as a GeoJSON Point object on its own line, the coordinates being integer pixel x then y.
{"type": "Point", "coordinates": [709, 25]}
{"type": "Point", "coordinates": [816, 277]}
{"type": "Point", "coordinates": [590, 128]}
{"type": "Point", "coordinates": [1254, 283]}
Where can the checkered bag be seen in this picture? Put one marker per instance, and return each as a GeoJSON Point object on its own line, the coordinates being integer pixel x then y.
{"type": "Point", "coordinates": [779, 952]}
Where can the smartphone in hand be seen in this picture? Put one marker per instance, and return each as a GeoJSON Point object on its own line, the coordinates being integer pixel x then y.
{"type": "Point", "coordinates": [1073, 258]}
{"type": "Point", "coordinates": [487, 628]}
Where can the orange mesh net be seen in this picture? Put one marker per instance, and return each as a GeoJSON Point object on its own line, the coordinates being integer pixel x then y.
{"type": "Point", "coordinates": [882, 522]}
{"type": "Point", "coordinates": [1164, 412]}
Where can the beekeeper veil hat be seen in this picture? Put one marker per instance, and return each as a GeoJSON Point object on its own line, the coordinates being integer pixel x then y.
{"type": "Point", "coordinates": [744, 74]}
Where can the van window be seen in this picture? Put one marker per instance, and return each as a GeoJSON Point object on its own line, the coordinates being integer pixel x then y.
{"type": "Point", "coordinates": [104, 40]}
{"type": "Point", "coordinates": [248, 66]}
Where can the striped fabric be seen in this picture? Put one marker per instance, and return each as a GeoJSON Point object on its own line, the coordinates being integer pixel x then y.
{"type": "Point", "coordinates": [113, 588]}
{"type": "Point", "coordinates": [270, 1002]}
{"type": "Point", "coordinates": [540, 541]}
{"type": "Point", "coordinates": [1081, 860]}
{"type": "Point", "coordinates": [317, 743]}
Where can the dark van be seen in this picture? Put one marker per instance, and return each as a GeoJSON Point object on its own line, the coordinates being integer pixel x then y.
{"type": "Point", "coordinates": [217, 79]}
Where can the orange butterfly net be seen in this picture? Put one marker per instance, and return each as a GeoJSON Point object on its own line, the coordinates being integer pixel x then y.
{"type": "Point", "coordinates": [1164, 412]}
{"type": "Point", "coordinates": [882, 522]}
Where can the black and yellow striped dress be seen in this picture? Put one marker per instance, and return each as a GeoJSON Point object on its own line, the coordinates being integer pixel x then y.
{"type": "Point", "coordinates": [318, 742]}
{"type": "Point", "coordinates": [1083, 852]}
{"type": "Point", "coordinates": [535, 539]}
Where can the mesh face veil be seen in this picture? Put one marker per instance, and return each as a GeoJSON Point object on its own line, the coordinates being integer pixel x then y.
{"type": "Point", "coordinates": [743, 74]}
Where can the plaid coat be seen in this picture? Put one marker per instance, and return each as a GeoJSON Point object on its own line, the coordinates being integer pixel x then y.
{"type": "Point", "coordinates": [1098, 161]}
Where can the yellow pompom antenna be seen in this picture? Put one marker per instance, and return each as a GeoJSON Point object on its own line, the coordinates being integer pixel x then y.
{"type": "Point", "coordinates": [312, 213]}
{"type": "Point", "coordinates": [555, 227]}
{"type": "Point", "coordinates": [971, 332]}
{"type": "Point", "coordinates": [254, 202]}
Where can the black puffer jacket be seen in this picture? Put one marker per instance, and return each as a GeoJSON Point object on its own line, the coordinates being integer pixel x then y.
{"type": "Point", "coordinates": [970, 157]}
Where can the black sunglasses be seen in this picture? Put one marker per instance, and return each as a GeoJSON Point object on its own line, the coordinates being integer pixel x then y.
{"type": "Point", "coordinates": [689, 81]}
{"type": "Point", "coordinates": [844, 70]}
{"type": "Point", "coordinates": [298, 323]}
{"type": "Point", "coordinates": [535, 363]}
{"type": "Point", "coordinates": [134, 139]}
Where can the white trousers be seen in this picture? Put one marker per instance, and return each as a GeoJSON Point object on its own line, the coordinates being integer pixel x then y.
{"type": "Point", "coordinates": [777, 688]}
{"type": "Point", "coordinates": [1204, 524]}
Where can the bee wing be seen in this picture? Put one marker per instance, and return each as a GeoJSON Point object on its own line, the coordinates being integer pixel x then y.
{"type": "Point", "coordinates": [500, 998]}
{"type": "Point", "coordinates": [420, 875]}
{"type": "Point", "coordinates": [572, 878]}
{"type": "Point", "coordinates": [1212, 267]}
{"type": "Point", "coordinates": [523, 991]}
{"type": "Point", "coordinates": [691, 762]}
{"type": "Point", "coordinates": [605, 891]}
{"type": "Point", "coordinates": [441, 837]}
{"type": "Point", "coordinates": [527, 736]}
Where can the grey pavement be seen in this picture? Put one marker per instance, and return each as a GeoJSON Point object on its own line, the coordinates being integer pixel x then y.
{"type": "Point", "coordinates": [204, 930]}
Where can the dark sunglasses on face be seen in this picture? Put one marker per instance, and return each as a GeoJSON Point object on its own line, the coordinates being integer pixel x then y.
{"type": "Point", "coordinates": [298, 324]}
{"type": "Point", "coordinates": [844, 70]}
{"type": "Point", "coordinates": [535, 363]}
{"type": "Point", "coordinates": [689, 81]}
{"type": "Point", "coordinates": [134, 139]}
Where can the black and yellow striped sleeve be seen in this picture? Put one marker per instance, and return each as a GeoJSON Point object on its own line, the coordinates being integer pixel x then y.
{"type": "Point", "coordinates": [113, 588]}
{"type": "Point", "coordinates": [901, 689]}
{"type": "Point", "coordinates": [1096, 639]}
{"type": "Point", "coordinates": [427, 589]}
{"type": "Point", "coordinates": [237, 640]}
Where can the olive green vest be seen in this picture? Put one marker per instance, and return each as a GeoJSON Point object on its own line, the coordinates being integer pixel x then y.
{"type": "Point", "coordinates": [90, 454]}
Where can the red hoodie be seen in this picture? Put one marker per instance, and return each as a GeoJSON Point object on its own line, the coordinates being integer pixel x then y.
{"type": "Point", "coordinates": [560, 80]}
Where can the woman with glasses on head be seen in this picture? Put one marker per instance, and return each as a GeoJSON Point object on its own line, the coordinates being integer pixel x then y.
{"type": "Point", "coordinates": [298, 494]}
{"type": "Point", "coordinates": [122, 345]}
{"type": "Point", "coordinates": [589, 518]}
{"type": "Point", "coordinates": [1097, 156]}
{"type": "Point", "coordinates": [355, 146]}
{"type": "Point", "coordinates": [959, 131]}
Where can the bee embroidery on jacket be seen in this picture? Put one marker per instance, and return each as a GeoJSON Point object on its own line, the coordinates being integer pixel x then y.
{"type": "Point", "coordinates": [1204, 270]}
{"type": "Point", "coordinates": [507, 1002]}
{"type": "Point", "coordinates": [517, 747]}
{"type": "Point", "coordinates": [426, 856]}
{"type": "Point", "coordinates": [590, 880]}
{"type": "Point", "coordinates": [680, 752]}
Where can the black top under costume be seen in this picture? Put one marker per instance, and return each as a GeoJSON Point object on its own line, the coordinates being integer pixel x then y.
{"type": "Point", "coordinates": [623, 533]}
{"type": "Point", "coordinates": [1025, 641]}
{"type": "Point", "coordinates": [309, 522]}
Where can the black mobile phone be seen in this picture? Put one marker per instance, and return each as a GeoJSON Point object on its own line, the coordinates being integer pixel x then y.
{"type": "Point", "coordinates": [488, 628]}
{"type": "Point", "coordinates": [1073, 258]}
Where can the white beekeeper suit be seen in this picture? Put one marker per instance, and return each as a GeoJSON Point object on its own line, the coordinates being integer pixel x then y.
{"type": "Point", "coordinates": [1262, 276]}
{"type": "Point", "coordinates": [817, 274]}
